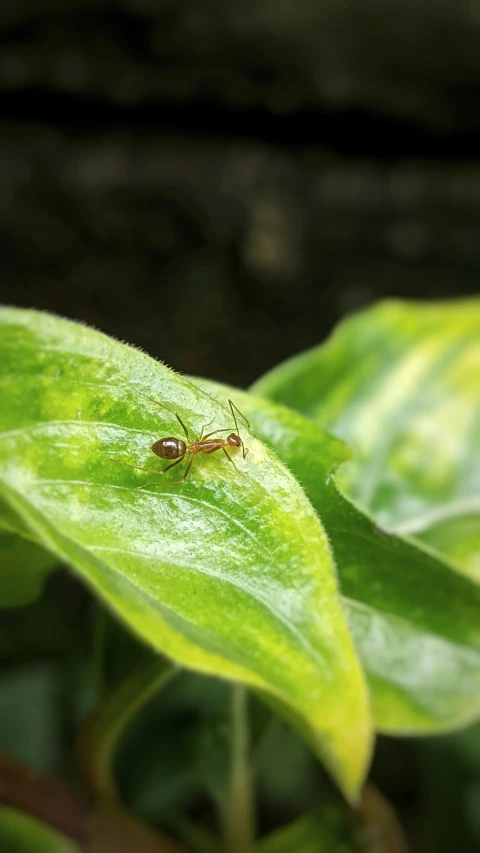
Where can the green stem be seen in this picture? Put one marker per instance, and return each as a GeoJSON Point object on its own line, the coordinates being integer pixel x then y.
{"type": "Point", "coordinates": [104, 727]}
{"type": "Point", "coordinates": [239, 824]}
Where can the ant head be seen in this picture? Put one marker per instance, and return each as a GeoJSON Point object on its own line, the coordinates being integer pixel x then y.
{"type": "Point", "coordinates": [234, 440]}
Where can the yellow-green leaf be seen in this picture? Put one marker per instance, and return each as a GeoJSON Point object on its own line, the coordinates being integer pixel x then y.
{"type": "Point", "coordinates": [229, 573]}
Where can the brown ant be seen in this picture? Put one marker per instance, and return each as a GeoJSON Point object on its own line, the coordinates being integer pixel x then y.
{"type": "Point", "coordinates": [178, 449]}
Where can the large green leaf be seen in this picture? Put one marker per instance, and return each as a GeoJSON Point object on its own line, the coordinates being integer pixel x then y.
{"type": "Point", "coordinates": [415, 621]}
{"type": "Point", "coordinates": [229, 574]}
{"type": "Point", "coordinates": [401, 384]}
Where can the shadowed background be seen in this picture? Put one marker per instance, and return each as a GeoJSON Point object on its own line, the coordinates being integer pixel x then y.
{"type": "Point", "coordinates": [221, 182]}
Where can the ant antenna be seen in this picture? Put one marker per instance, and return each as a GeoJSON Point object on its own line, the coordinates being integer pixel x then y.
{"type": "Point", "coordinates": [233, 409]}
{"type": "Point", "coordinates": [163, 406]}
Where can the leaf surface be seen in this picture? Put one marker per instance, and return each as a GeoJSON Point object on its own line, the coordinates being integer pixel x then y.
{"type": "Point", "coordinates": [230, 573]}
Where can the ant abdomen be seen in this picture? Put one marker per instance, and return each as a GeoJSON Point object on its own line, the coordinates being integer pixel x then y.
{"type": "Point", "coordinates": [169, 448]}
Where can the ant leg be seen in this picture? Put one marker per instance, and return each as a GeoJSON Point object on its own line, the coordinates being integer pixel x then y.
{"type": "Point", "coordinates": [204, 427]}
{"type": "Point", "coordinates": [182, 425]}
{"type": "Point", "coordinates": [185, 473]}
{"type": "Point", "coordinates": [204, 438]}
{"type": "Point", "coordinates": [232, 407]}
{"type": "Point", "coordinates": [174, 482]}
{"type": "Point", "coordinates": [135, 467]}
{"type": "Point", "coordinates": [172, 465]}
{"type": "Point", "coordinates": [231, 460]}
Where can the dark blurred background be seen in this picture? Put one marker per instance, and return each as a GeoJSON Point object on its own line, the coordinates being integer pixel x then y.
{"type": "Point", "coordinates": [220, 182]}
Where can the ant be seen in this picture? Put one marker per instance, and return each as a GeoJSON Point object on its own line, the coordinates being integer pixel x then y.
{"type": "Point", "coordinates": [178, 449]}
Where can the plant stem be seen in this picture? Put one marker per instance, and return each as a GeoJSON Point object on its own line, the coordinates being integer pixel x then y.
{"type": "Point", "coordinates": [239, 823]}
{"type": "Point", "coordinates": [104, 727]}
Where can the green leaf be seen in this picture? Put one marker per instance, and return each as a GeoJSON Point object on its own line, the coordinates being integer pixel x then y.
{"type": "Point", "coordinates": [104, 727]}
{"type": "Point", "coordinates": [24, 564]}
{"type": "Point", "coordinates": [230, 573]}
{"type": "Point", "coordinates": [176, 748]}
{"type": "Point", "coordinates": [23, 569]}
{"type": "Point", "coordinates": [457, 539]}
{"type": "Point", "coordinates": [414, 621]}
{"type": "Point", "coordinates": [21, 833]}
{"type": "Point", "coordinates": [31, 715]}
{"type": "Point", "coordinates": [288, 779]}
{"type": "Point", "coordinates": [323, 831]}
{"type": "Point", "coordinates": [334, 828]}
{"type": "Point", "coordinates": [400, 384]}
